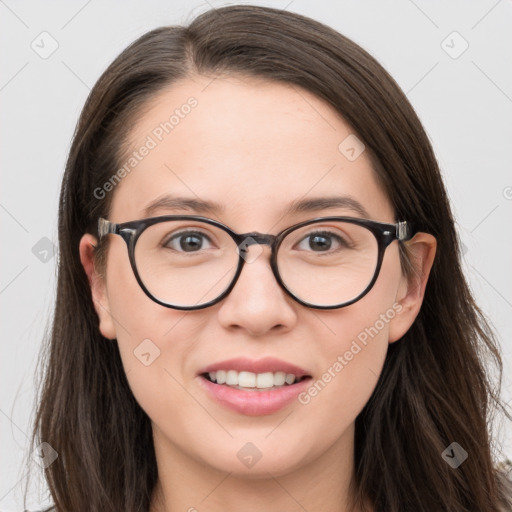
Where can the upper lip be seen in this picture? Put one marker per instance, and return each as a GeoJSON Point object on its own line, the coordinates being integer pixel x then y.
{"type": "Point", "coordinates": [267, 364]}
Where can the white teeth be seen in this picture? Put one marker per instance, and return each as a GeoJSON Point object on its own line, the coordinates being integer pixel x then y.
{"type": "Point", "coordinates": [279, 378]}
{"type": "Point", "coordinates": [244, 379]}
{"type": "Point", "coordinates": [289, 379]}
{"type": "Point", "coordinates": [232, 378]}
{"type": "Point", "coordinates": [263, 380]}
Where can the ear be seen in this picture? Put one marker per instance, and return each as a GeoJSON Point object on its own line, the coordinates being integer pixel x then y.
{"type": "Point", "coordinates": [422, 250]}
{"type": "Point", "coordinates": [98, 286]}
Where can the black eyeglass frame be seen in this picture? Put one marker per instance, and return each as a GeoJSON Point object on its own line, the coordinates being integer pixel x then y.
{"type": "Point", "coordinates": [130, 232]}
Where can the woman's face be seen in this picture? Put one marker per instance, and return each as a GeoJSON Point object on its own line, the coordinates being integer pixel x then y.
{"type": "Point", "coordinates": [253, 148]}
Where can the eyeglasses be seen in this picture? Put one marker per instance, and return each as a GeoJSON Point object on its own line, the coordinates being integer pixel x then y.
{"type": "Point", "coordinates": [191, 262]}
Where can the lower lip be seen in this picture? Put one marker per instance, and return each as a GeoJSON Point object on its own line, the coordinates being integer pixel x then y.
{"type": "Point", "coordinates": [254, 403]}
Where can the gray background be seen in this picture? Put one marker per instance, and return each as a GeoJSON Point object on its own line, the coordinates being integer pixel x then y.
{"type": "Point", "coordinates": [464, 100]}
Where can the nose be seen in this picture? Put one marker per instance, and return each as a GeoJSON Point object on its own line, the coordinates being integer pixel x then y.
{"type": "Point", "coordinates": [257, 303]}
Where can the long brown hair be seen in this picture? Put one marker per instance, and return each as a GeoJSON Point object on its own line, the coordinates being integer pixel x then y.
{"type": "Point", "coordinates": [436, 386]}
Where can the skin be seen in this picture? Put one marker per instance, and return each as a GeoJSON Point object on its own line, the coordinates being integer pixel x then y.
{"type": "Point", "coordinates": [254, 146]}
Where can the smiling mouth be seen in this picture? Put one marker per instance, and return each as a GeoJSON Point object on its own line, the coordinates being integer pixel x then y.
{"type": "Point", "coordinates": [249, 381]}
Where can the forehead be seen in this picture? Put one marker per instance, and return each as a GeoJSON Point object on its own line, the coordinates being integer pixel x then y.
{"type": "Point", "coordinates": [252, 146]}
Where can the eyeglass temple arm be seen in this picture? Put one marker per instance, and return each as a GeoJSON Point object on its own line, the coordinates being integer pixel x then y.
{"type": "Point", "coordinates": [404, 231]}
{"type": "Point", "coordinates": [105, 227]}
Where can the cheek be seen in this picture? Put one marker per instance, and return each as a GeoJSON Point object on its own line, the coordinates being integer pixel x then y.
{"type": "Point", "coordinates": [153, 340]}
{"type": "Point", "coordinates": [352, 365]}
{"type": "Point", "coordinates": [354, 349]}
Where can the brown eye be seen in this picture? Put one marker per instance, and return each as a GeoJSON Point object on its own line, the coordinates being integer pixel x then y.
{"type": "Point", "coordinates": [187, 241]}
{"type": "Point", "coordinates": [322, 241]}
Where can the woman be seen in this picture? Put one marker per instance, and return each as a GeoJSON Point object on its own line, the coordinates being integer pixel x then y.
{"type": "Point", "coordinates": [260, 301]}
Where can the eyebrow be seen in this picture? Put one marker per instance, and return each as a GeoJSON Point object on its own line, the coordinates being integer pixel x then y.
{"type": "Point", "coordinates": [203, 206]}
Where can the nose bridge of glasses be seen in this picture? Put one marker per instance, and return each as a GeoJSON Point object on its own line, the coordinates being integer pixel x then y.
{"type": "Point", "coordinates": [254, 238]}
{"type": "Point", "coordinates": [257, 238]}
